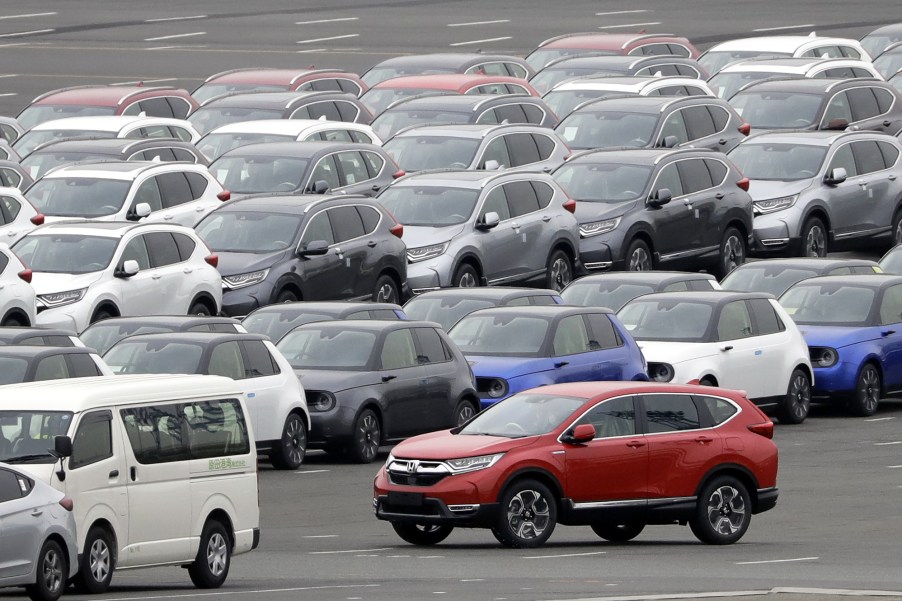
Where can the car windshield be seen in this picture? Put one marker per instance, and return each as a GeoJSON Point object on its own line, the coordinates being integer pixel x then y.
{"type": "Point", "coordinates": [415, 153]}
{"type": "Point", "coordinates": [246, 174]}
{"type": "Point", "coordinates": [546, 79]}
{"type": "Point", "coordinates": [667, 320]}
{"type": "Point", "coordinates": [445, 311]}
{"type": "Point", "coordinates": [874, 44]}
{"type": "Point", "coordinates": [135, 356]}
{"type": "Point", "coordinates": [27, 436]}
{"type": "Point", "coordinates": [78, 196]}
{"type": "Point", "coordinates": [102, 336]}
{"type": "Point", "coordinates": [39, 163]}
{"type": "Point", "coordinates": [430, 206]}
{"type": "Point", "coordinates": [892, 262]}
{"type": "Point", "coordinates": [380, 74]}
{"type": "Point", "coordinates": [276, 323]}
{"type": "Point", "coordinates": [542, 56]}
{"type": "Point", "coordinates": [215, 145]}
{"type": "Point", "coordinates": [328, 347]}
{"type": "Point", "coordinates": [249, 231]}
{"type": "Point", "coordinates": [524, 415]}
{"type": "Point", "coordinates": [829, 304]}
{"type": "Point", "coordinates": [500, 335]}
{"type": "Point", "coordinates": [725, 85]}
{"type": "Point", "coordinates": [777, 110]}
{"type": "Point", "coordinates": [66, 253]}
{"type": "Point", "coordinates": [778, 162]}
{"type": "Point", "coordinates": [611, 182]}
{"type": "Point", "coordinates": [41, 113]}
{"type": "Point", "coordinates": [760, 277]}
{"type": "Point", "coordinates": [610, 294]}
{"type": "Point", "coordinates": [718, 59]}
{"type": "Point", "coordinates": [562, 102]}
{"type": "Point", "coordinates": [12, 370]}
{"type": "Point", "coordinates": [207, 119]}
{"type": "Point", "coordinates": [379, 99]}
{"type": "Point", "coordinates": [209, 90]}
{"type": "Point", "coordinates": [889, 64]}
{"type": "Point", "coordinates": [32, 139]}
{"type": "Point", "coordinates": [607, 129]}
{"type": "Point", "coordinates": [394, 120]}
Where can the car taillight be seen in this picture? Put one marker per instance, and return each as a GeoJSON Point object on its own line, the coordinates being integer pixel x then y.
{"type": "Point", "coordinates": [743, 183]}
{"type": "Point", "coordinates": [397, 230]}
{"type": "Point", "coordinates": [67, 504]}
{"type": "Point", "coordinates": [212, 260]}
{"type": "Point", "coordinates": [25, 275]}
{"type": "Point", "coordinates": [766, 429]}
{"type": "Point", "coordinates": [570, 205]}
{"type": "Point", "coordinates": [37, 219]}
{"type": "Point", "coordinates": [745, 129]}
{"type": "Point", "coordinates": [399, 173]}
{"type": "Point", "coordinates": [224, 195]}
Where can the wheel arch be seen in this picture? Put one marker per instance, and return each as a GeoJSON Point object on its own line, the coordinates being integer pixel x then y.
{"type": "Point", "coordinates": [207, 299]}
{"type": "Point", "coordinates": [740, 472]}
{"type": "Point", "coordinates": [540, 475]}
{"type": "Point", "coordinates": [471, 258]}
{"type": "Point", "coordinates": [18, 314]}
{"type": "Point", "coordinates": [821, 213]}
{"type": "Point", "coordinates": [107, 526]}
{"type": "Point", "coordinates": [221, 515]}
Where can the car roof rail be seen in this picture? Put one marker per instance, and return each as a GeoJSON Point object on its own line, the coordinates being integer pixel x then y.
{"type": "Point", "coordinates": [143, 90]}
{"type": "Point", "coordinates": [567, 35]}
{"type": "Point", "coordinates": [66, 89]}
{"type": "Point", "coordinates": [230, 71]}
{"type": "Point", "coordinates": [646, 36]}
{"type": "Point", "coordinates": [317, 72]}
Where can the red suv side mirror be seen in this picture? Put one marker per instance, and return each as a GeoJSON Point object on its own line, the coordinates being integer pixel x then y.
{"type": "Point", "coordinates": [580, 434]}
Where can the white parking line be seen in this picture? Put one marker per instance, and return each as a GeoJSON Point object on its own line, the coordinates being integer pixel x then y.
{"type": "Point", "coordinates": [625, 25]}
{"type": "Point", "coordinates": [785, 27]}
{"type": "Point", "coordinates": [9, 75]}
{"type": "Point", "coordinates": [174, 47]}
{"type": "Point", "coordinates": [480, 41]}
{"type": "Point", "coordinates": [564, 555]}
{"type": "Point", "coordinates": [349, 551]}
{"type": "Point", "coordinates": [311, 471]}
{"type": "Point", "coordinates": [473, 580]}
{"type": "Point", "coordinates": [178, 35]}
{"type": "Point", "coordinates": [878, 419]}
{"type": "Point", "coordinates": [479, 23]}
{"type": "Point", "coordinates": [623, 12]}
{"type": "Point", "coordinates": [886, 444]}
{"type": "Point", "coordinates": [334, 37]}
{"type": "Point", "coordinates": [750, 563]}
{"type": "Point", "coordinates": [21, 33]}
{"type": "Point", "coordinates": [311, 50]}
{"type": "Point", "coordinates": [327, 21]}
{"type": "Point", "coordinates": [255, 592]}
{"type": "Point", "coordinates": [9, 94]}
{"type": "Point", "coordinates": [175, 19]}
{"type": "Point", "coordinates": [894, 467]}
{"type": "Point", "coordinates": [320, 536]}
{"type": "Point", "coordinates": [26, 16]}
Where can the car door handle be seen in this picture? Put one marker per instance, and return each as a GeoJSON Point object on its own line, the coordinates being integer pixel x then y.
{"type": "Point", "coordinates": [892, 178]}
{"type": "Point", "coordinates": [155, 276]}
{"type": "Point", "coordinates": [187, 270]}
{"type": "Point", "coordinates": [635, 444]}
{"type": "Point", "coordinates": [887, 123]}
{"type": "Point", "coordinates": [168, 217]}
{"type": "Point", "coordinates": [388, 378]}
{"type": "Point", "coordinates": [887, 332]}
{"type": "Point", "coordinates": [376, 188]}
{"type": "Point", "coordinates": [37, 512]}
{"type": "Point", "coordinates": [728, 347]}
{"type": "Point", "coordinates": [704, 439]}
{"type": "Point", "coordinates": [337, 251]}
{"type": "Point", "coordinates": [560, 364]}
{"type": "Point", "coordinates": [719, 196]}
{"type": "Point", "coordinates": [515, 225]}
{"type": "Point", "coordinates": [546, 218]}
{"type": "Point", "coordinates": [199, 210]}
{"type": "Point", "coordinates": [722, 141]}
{"type": "Point", "coordinates": [114, 474]}
{"type": "Point", "coordinates": [371, 243]}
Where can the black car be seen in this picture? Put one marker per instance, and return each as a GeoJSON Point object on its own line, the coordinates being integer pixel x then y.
{"type": "Point", "coordinates": [277, 249]}
{"type": "Point", "coordinates": [14, 175]}
{"type": "Point", "coordinates": [645, 209]}
{"type": "Point", "coordinates": [464, 108]}
{"type": "Point", "coordinates": [38, 363]}
{"type": "Point", "coordinates": [776, 276]}
{"type": "Point", "coordinates": [654, 122]}
{"type": "Point", "coordinates": [306, 168]}
{"type": "Point", "coordinates": [373, 382]}
{"type": "Point", "coordinates": [101, 335]}
{"type": "Point", "coordinates": [613, 290]}
{"type": "Point", "coordinates": [448, 305]}
{"type": "Point", "coordinates": [277, 320]}
{"type": "Point", "coordinates": [565, 68]}
{"type": "Point", "coordinates": [251, 106]}
{"type": "Point", "coordinates": [63, 152]}
{"type": "Point", "coordinates": [10, 335]}
{"type": "Point", "coordinates": [812, 103]}
{"type": "Point", "coordinates": [448, 62]}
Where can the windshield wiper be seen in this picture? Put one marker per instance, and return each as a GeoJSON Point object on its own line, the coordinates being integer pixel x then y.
{"type": "Point", "coordinates": [21, 458]}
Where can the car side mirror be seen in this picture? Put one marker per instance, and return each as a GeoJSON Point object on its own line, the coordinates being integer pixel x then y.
{"type": "Point", "coordinates": [490, 220]}
{"type": "Point", "coordinates": [839, 123]}
{"type": "Point", "coordinates": [127, 269]}
{"type": "Point", "coordinates": [140, 211]}
{"type": "Point", "coordinates": [62, 446]}
{"type": "Point", "coordinates": [836, 176]}
{"type": "Point", "coordinates": [660, 198]}
{"type": "Point", "coordinates": [314, 248]}
{"type": "Point", "coordinates": [668, 142]}
{"type": "Point", "coordinates": [581, 434]}
{"type": "Point", "coordinates": [492, 165]}
{"type": "Point", "coordinates": [320, 186]}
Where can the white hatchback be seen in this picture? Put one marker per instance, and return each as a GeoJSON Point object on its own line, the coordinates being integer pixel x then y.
{"type": "Point", "coordinates": [17, 297]}
{"type": "Point", "coordinates": [85, 272]}
{"type": "Point", "coordinates": [739, 340]}
{"type": "Point", "coordinates": [17, 216]}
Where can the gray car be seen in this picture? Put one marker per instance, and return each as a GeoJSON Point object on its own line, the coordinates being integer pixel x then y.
{"type": "Point", "coordinates": [475, 146]}
{"type": "Point", "coordinates": [814, 190]}
{"type": "Point", "coordinates": [471, 228]}
{"type": "Point", "coordinates": [37, 529]}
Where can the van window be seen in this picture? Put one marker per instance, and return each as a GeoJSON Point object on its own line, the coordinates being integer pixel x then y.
{"type": "Point", "coordinates": [93, 440]}
{"type": "Point", "coordinates": [155, 433]}
{"type": "Point", "coordinates": [216, 429]}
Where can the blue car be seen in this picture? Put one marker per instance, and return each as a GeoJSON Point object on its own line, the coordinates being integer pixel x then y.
{"type": "Point", "coordinates": [511, 349]}
{"type": "Point", "coordinates": [853, 327]}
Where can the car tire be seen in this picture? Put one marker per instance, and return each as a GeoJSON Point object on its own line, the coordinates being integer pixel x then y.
{"type": "Point", "coordinates": [618, 533]}
{"type": "Point", "coordinates": [214, 556]}
{"type": "Point", "coordinates": [51, 573]}
{"type": "Point", "coordinates": [814, 238]}
{"type": "Point", "coordinates": [97, 564]}
{"type": "Point", "coordinates": [867, 393]}
{"type": "Point", "coordinates": [706, 381]}
{"type": "Point", "coordinates": [286, 295]}
{"type": "Point", "coordinates": [386, 290]}
{"type": "Point", "coordinates": [289, 452]}
{"type": "Point", "coordinates": [733, 252]}
{"type": "Point", "coordinates": [200, 308]}
{"type": "Point", "coordinates": [558, 270]}
{"type": "Point", "coordinates": [100, 315]}
{"type": "Point", "coordinates": [639, 257]}
{"type": "Point", "coordinates": [13, 322]}
{"type": "Point", "coordinates": [794, 407]}
{"type": "Point", "coordinates": [463, 412]}
{"type": "Point", "coordinates": [465, 276]}
{"type": "Point", "coordinates": [364, 446]}
{"type": "Point", "coordinates": [527, 517]}
{"type": "Point", "coordinates": [422, 535]}
{"type": "Point", "coordinates": [723, 512]}
{"type": "Point", "coordinates": [896, 232]}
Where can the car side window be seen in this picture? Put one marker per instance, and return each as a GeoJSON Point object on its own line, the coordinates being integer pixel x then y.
{"type": "Point", "coordinates": [488, 69]}
{"type": "Point", "coordinates": [347, 110]}
{"type": "Point", "coordinates": [838, 108]}
{"type": "Point", "coordinates": [544, 193]}
{"type": "Point", "coordinates": [93, 441]}
{"type": "Point", "coordinates": [522, 149]}
{"type": "Point", "coordinates": [688, 71]}
{"type": "Point", "coordinates": [734, 322]}
{"type": "Point", "coordinates": [890, 153]}
{"type": "Point", "coordinates": [149, 192]}
{"type": "Point", "coordinates": [180, 107]}
{"type": "Point", "coordinates": [8, 133]}
{"type": "Point", "coordinates": [699, 122]}
{"type": "Point", "coordinates": [225, 360]}
{"type": "Point", "coordinates": [512, 113]}
{"type": "Point", "coordinates": [10, 486]}
{"type": "Point", "coordinates": [676, 287]}
{"type": "Point", "coordinates": [326, 171]}
{"type": "Point", "coordinates": [669, 178]}
{"type": "Point", "coordinates": [494, 88]}
{"type": "Point", "coordinates": [318, 228]}
{"type": "Point", "coordinates": [717, 170]}
{"type": "Point", "coordinates": [4, 261]}
{"type": "Point", "coordinates": [162, 248]}
{"type": "Point", "coordinates": [182, 154]}
{"type": "Point", "coordinates": [185, 245]}
{"type": "Point", "coordinates": [766, 319]}
{"type": "Point", "coordinates": [316, 110]}
{"type": "Point", "coordinates": [849, 52]}
{"type": "Point", "coordinates": [430, 347]}
{"type": "Point", "coordinates": [174, 189]}
{"type": "Point", "coordinates": [495, 201]}
{"type": "Point", "coordinates": [360, 137]}
{"type": "Point", "coordinates": [12, 178]}
{"type": "Point", "coordinates": [333, 135]}
{"type": "Point", "coordinates": [603, 334]}
{"type": "Point", "coordinates": [353, 168]}
{"type": "Point", "coordinates": [151, 131]}
{"type": "Point", "coordinates": [868, 157]}
{"type": "Point", "coordinates": [695, 175]}
{"type": "Point", "coordinates": [10, 208]}
{"type": "Point", "coordinates": [496, 150]}
{"type": "Point", "coordinates": [179, 133]}
{"type": "Point", "coordinates": [258, 362]}
{"type": "Point", "coordinates": [864, 103]}
{"type": "Point", "coordinates": [884, 98]}
{"type": "Point", "coordinates": [398, 350]}
{"type": "Point", "coordinates": [198, 184]}
{"type": "Point", "coordinates": [136, 250]}
{"type": "Point", "coordinates": [838, 73]}
{"type": "Point", "coordinates": [719, 409]}
{"type": "Point", "coordinates": [82, 366]}
{"type": "Point", "coordinates": [488, 116]}
{"type": "Point", "coordinates": [614, 417]}
{"type": "Point", "coordinates": [53, 367]}
{"type": "Point", "coordinates": [346, 223]}
{"type": "Point", "coordinates": [545, 145]}
{"type": "Point", "coordinates": [521, 198]}
{"type": "Point", "coordinates": [891, 305]}
{"type": "Point", "coordinates": [674, 125]}
{"type": "Point", "coordinates": [162, 155]}
{"type": "Point", "coordinates": [533, 113]}
{"type": "Point", "coordinates": [571, 337]}
{"type": "Point", "coordinates": [670, 413]}
{"type": "Point", "coordinates": [844, 158]}
{"type": "Point", "coordinates": [370, 218]}
{"type": "Point", "coordinates": [156, 107]}
{"type": "Point", "coordinates": [696, 91]}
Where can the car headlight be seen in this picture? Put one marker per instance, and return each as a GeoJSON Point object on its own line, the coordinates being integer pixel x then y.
{"type": "Point", "coordinates": [242, 280]}
{"type": "Point", "coordinates": [775, 204]}
{"type": "Point", "coordinates": [472, 464]}
{"type": "Point", "coordinates": [660, 372]}
{"type": "Point", "coordinates": [58, 299]}
{"type": "Point", "coordinates": [823, 356]}
{"type": "Point", "coordinates": [422, 253]}
{"type": "Point", "coordinates": [389, 460]}
{"type": "Point", "coordinates": [494, 388]}
{"type": "Point", "coordinates": [594, 228]}
{"type": "Point", "coordinates": [320, 400]}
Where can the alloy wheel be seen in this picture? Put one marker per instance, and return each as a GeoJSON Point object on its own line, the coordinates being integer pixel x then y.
{"type": "Point", "coordinates": [528, 514]}
{"type": "Point", "coordinates": [99, 560]}
{"type": "Point", "coordinates": [815, 242]}
{"type": "Point", "coordinates": [639, 260]}
{"type": "Point", "coordinates": [217, 554]}
{"type": "Point", "coordinates": [560, 273]}
{"type": "Point", "coordinates": [733, 253]}
{"type": "Point", "coordinates": [52, 571]}
{"type": "Point", "coordinates": [726, 510]}
{"type": "Point", "coordinates": [869, 389]}
{"type": "Point", "coordinates": [368, 436]}
{"type": "Point", "coordinates": [800, 395]}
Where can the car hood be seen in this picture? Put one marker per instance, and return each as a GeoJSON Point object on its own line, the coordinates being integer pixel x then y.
{"type": "Point", "coordinates": [444, 445]}
{"type": "Point", "coordinates": [418, 235]}
{"type": "Point", "coordinates": [675, 352]}
{"type": "Point", "coordinates": [587, 211]}
{"type": "Point", "coordinates": [333, 380]}
{"type": "Point", "coordinates": [837, 336]}
{"type": "Point", "coordinates": [760, 189]}
{"type": "Point", "coordinates": [48, 283]}
{"type": "Point", "coordinates": [507, 367]}
{"type": "Point", "coordinates": [232, 263]}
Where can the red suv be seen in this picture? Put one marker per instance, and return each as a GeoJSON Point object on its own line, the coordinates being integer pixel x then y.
{"type": "Point", "coordinates": [615, 456]}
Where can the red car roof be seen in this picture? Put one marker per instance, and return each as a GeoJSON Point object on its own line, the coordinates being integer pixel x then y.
{"type": "Point", "coordinates": [455, 82]}
{"type": "Point", "coordinates": [620, 42]}
{"type": "Point", "coordinates": [589, 390]}
{"type": "Point", "coordinates": [275, 77]}
{"type": "Point", "coordinates": [107, 95]}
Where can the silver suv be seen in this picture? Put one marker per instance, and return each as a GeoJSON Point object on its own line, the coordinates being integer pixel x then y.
{"type": "Point", "coordinates": [472, 228]}
{"type": "Point", "coordinates": [812, 190]}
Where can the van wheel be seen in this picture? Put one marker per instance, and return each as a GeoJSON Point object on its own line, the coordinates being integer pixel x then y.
{"type": "Point", "coordinates": [51, 574]}
{"type": "Point", "coordinates": [364, 446]}
{"type": "Point", "coordinates": [211, 566]}
{"type": "Point", "coordinates": [288, 453]}
{"type": "Point", "coordinates": [97, 567]}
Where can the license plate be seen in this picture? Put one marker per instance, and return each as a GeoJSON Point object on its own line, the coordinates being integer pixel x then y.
{"type": "Point", "coordinates": [405, 499]}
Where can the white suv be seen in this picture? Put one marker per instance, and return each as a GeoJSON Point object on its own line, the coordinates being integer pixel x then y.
{"type": "Point", "coordinates": [84, 272]}
{"type": "Point", "coordinates": [17, 216]}
{"type": "Point", "coordinates": [17, 300]}
{"type": "Point", "coordinates": [127, 191]}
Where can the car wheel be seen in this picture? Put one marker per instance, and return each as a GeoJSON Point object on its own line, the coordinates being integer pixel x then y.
{"type": "Point", "coordinates": [797, 402]}
{"type": "Point", "coordinates": [638, 256]}
{"type": "Point", "coordinates": [814, 238]}
{"type": "Point", "coordinates": [289, 452]}
{"type": "Point", "coordinates": [422, 535]}
{"type": "Point", "coordinates": [618, 533]}
{"type": "Point", "coordinates": [706, 381]}
{"type": "Point", "coordinates": [528, 515]}
{"type": "Point", "coordinates": [100, 315]}
{"type": "Point", "coordinates": [558, 270]}
{"type": "Point", "coordinates": [867, 393]}
{"type": "Point", "coordinates": [367, 437]}
{"type": "Point", "coordinates": [211, 566]}
{"type": "Point", "coordinates": [13, 322]}
{"type": "Point", "coordinates": [50, 575]}
{"type": "Point", "coordinates": [286, 296]}
{"type": "Point", "coordinates": [96, 570]}
{"type": "Point", "coordinates": [723, 513]}
{"type": "Point", "coordinates": [199, 308]}
{"type": "Point", "coordinates": [465, 410]}
{"type": "Point", "coordinates": [465, 276]}
{"type": "Point", "coordinates": [732, 251]}
{"type": "Point", "coordinates": [897, 228]}
{"type": "Point", "coordinates": [386, 290]}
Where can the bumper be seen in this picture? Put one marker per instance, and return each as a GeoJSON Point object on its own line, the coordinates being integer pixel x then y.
{"type": "Point", "coordinates": [75, 317]}
{"type": "Point", "coordinates": [430, 274]}
{"type": "Point", "coordinates": [244, 300]}
{"type": "Point", "coordinates": [836, 380]}
{"type": "Point", "coordinates": [598, 252]}
{"type": "Point", "coordinates": [411, 508]}
{"type": "Point", "coordinates": [329, 427]}
{"type": "Point", "coordinates": [767, 499]}
{"type": "Point", "coordinates": [246, 541]}
{"type": "Point", "coordinates": [776, 233]}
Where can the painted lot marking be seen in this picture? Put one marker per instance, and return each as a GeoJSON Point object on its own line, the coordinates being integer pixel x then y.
{"type": "Point", "coordinates": [9, 94]}
{"type": "Point", "coordinates": [174, 47]}
{"type": "Point", "coordinates": [785, 27]}
{"type": "Point", "coordinates": [479, 23]}
{"type": "Point", "coordinates": [625, 25]}
{"type": "Point", "coordinates": [26, 16]}
{"type": "Point", "coordinates": [308, 51]}
{"type": "Point", "coordinates": [342, 19]}
{"type": "Point", "coordinates": [879, 419]}
{"type": "Point", "coordinates": [894, 467]}
{"type": "Point", "coordinates": [481, 41]}
{"type": "Point", "coordinates": [320, 536]}
{"type": "Point", "coordinates": [178, 35]}
{"type": "Point", "coordinates": [334, 37]}
{"type": "Point", "coordinates": [299, 472]}
{"type": "Point", "coordinates": [623, 12]}
{"type": "Point", "coordinates": [565, 555]}
{"type": "Point", "coordinates": [350, 551]}
{"type": "Point", "coordinates": [21, 33]}
{"type": "Point", "coordinates": [886, 444]}
{"type": "Point", "coordinates": [254, 592]}
{"type": "Point", "coordinates": [175, 19]}
{"type": "Point", "coordinates": [750, 563]}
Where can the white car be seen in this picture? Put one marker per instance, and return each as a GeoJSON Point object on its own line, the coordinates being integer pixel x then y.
{"type": "Point", "coordinates": [17, 215]}
{"type": "Point", "coordinates": [179, 193]}
{"type": "Point", "coordinates": [226, 137]}
{"type": "Point", "coordinates": [811, 46]}
{"type": "Point", "coordinates": [274, 395]}
{"type": "Point", "coordinates": [567, 95]}
{"type": "Point", "coordinates": [105, 127]}
{"type": "Point", "coordinates": [739, 340]}
{"type": "Point", "coordinates": [85, 272]}
{"type": "Point", "coordinates": [17, 297]}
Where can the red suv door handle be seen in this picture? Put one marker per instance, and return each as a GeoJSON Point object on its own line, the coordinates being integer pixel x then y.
{"type": "Point", "coordinates": [635, 444]}
{"type": "Point", "coordinates": [704, 439]}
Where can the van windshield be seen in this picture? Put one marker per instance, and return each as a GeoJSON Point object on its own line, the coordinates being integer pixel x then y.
{"type": "Point", "coordinates": [27, 436]}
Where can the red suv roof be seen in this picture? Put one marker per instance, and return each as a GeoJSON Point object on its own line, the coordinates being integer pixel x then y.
{"type": "Point", "coordinates": [621, 43]}
{"type": "Point", "coordinates": [290, 78]}
{"type": "Point", "coordinates": [108, 95]}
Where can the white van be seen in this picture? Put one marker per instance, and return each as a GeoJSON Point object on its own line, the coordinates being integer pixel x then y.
{"type": "Point", "coordinates": [162, 469]}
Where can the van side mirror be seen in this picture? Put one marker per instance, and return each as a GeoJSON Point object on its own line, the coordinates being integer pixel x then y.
{"type": "Point", "coordinates": [140, 211]}
{"type": "Point", "coordinates": [836, 176]}
{"type": "Point", "coordinates": [127, 269]}
{"type": "Point", "coordinates": [660, 198]}
{"type": "Point", "coordinates": [490, 220]}
{"type": "Point", "coordinates": [314, 248]}
{"type": "Point", "coordinates": [320, 186]}
{"type": "Point", "coordinates": [581, 434]}
{"type": "Point", "coordinates": [62, 446]}
{"type": "Point", "coordinates": [838, 124]}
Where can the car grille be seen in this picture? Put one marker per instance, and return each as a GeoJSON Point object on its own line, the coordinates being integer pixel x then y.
{"type": "Point", "coordinates": [406, 479]}
{"type": "Point", "coordinates": [417, 472]}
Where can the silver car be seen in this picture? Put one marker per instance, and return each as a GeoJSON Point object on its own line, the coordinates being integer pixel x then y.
{"type": "Point", "coordinates": [472, 228]}
{"type": "Point", "coordinates": [37, 530]}
{"type": "Point", "coordinates": [813, 190]}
